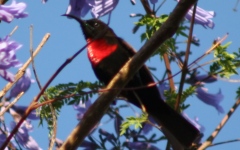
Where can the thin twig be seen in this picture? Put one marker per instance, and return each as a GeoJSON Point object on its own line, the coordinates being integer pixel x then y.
{"type": "Point", "coordinates": [185, 63]}
{"type": "Point", "coordinates": [13, 31]}
{"type": "Point", "coordinates": [169, 71]}
{"type": "Point", "coordinates": [209, 51]}
{"type": "Point", "coordinates": [54, 119]}
{"type": "Point", "coordinates": [147, 7]}
{"type": "Point", "coordinates": [31, 54]}
{"type": "Point", "coordinates": [225, 142]}
{"type": "Point", "coordinates": [160, 5]}
{"type": "Point", "coordinates": [12, 103]}
{"type": "Point", "coordinates": [210, 139]}
{"type": "Point", "coordinates": [236, 5]}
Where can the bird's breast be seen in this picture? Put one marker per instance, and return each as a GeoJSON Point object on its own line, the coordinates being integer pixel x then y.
{"type": "Point", "coordinates": [98, 50]}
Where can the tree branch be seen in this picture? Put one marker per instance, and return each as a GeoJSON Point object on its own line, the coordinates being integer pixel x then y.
{"type": "Point", "coordinates": [210, 139]}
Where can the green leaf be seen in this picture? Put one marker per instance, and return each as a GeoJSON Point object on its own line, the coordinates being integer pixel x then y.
{"type": "Point", "coordinates": [136, 121]}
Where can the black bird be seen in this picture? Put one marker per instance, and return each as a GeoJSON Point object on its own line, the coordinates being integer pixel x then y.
{"type": "Point", "coordinates": [107, 54]}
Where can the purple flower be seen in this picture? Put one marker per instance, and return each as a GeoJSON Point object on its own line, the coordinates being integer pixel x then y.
{"type": "Point", "coordinates": [7, 75]}
{"type": "Point", "coordinates": [80, 8]}
{"type": "Point", "coordinates": [82, 108]}
{"type": "Point", "coordinates": [194, 122]}
{"type": "Point", "coordinates": [58, 143]}
{"type": "Point", "coordinates": [15, 10]}
{"type": "Point", "coordinates": [205, 78]}
{"type": "Point", "coordinates": [89, 145]}
{"type": "Point", "coordinates": [202, 17]}
{"type": "Point", "coordinates": [101, 8]}
{"type": "Point", "coordinates": [117, 124]}
{"type": "Point", "coordinates": [153, 1]}
{"type": "Point", "coordinates": [3, 137]}
{"type": "Point", "coordinates": [141, 145]}
{"type": "Point", "coordinates": [23, 137]}
{"type": "Point", "coordinates": [109, 137]}
{"type": "Point", "coordinates": [21, 110]}
{"type": "Point", "coordinates": [210, 99]}
{"type": "Point", "coordinates": [148, 127]}
{"type": "Point", "coordinates": [133, 2]}
{"type": "Point", "coordinates": [195, 41]}
{"type": "Point", "coordinates": [8, 58]}
{"type": "Point", "coordinates": [44, 1]}
{"type": "Point", "coordinates": [22, 84]}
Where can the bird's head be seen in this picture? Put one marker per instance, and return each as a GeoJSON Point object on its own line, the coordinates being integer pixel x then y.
{"type": "Point", "coordinates": [93, 28]}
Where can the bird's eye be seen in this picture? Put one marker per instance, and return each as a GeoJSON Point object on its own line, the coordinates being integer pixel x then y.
{"type": "Point", "coordinates": [96, 24]}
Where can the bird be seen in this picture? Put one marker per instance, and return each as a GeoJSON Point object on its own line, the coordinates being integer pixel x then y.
{"type": "Point", "coordinates": [107, 54]}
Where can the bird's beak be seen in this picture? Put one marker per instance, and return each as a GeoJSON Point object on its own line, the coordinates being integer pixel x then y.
{"type": "Point", "coordinates": [85, 26]}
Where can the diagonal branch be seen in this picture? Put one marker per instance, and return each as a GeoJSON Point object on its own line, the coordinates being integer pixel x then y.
{"type": "Point", "coordinates": [98, 109]}
{"type": "Point", "coordinates": [210, 139]}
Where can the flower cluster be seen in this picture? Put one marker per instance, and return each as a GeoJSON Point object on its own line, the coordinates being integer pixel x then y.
{"type": "Point", "coordinates": [80, 8]}
{"type": "Point", "coordinates": [14, 10]}
{"type": "Point", "coordinates": [202, 17]}
{"type": "Point", "coordinates": [202, 92]}
{"type": "Point", "coordinates": [8, 59]}
{"type": "Point", "coordinates": [8, 49]}
{"type": "Point", "coordinates": [22, 136]}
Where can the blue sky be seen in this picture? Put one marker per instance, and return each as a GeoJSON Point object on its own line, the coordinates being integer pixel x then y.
{"type": "Point", "coordinates": [66, 38]}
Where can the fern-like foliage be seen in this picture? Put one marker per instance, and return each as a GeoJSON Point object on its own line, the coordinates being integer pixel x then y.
{"type": "Point", "coordinates": [65, 94]}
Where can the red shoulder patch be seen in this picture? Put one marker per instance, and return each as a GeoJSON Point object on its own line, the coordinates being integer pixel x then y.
{"type": "Point", "coordinates": [98, 50]}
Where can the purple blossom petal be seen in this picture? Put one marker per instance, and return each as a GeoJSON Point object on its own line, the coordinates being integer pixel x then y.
{"type": "Point", "coordinates": [82, 108]}
{"type": "Point", "coordinates": [7, 75]}
{"type": "Point", "coordinates": [15, 10]}
{"type": "Point", "coordinates": [141, 145]}
{"type": "Point", "coordinates": [117, 124]}
{"type": "Point", "coordinates": [133, 2]}
{"type": "Point", "coordinates": [162, 88]}
{"type": "Point", "coordinates": [22, 84]}
{"type": "Point", "coordinates": [58, 143]}
{"type": "Point", "coordinates": [153, 1]}
{"type": "Point", "coordinates": [148, 127]}
{"type": "Point", "coordinates": [195, 41]}
{"type": "Point", "coordinates": [103, 7]}
{"type": "Point", "coordinates": [78, 8]}
{"type": "Point", "coordinates": [210, 99]}
{"type": "Point", "coordinates": [3, 137]}
{"type": "Point", "coordinates": [8, 50]}
{"type": "Point", "coordinates": [21, 110]}
{"type": "Point", "coordinates": [23, 137]}
{"type": "Point", "coordinates": [202, 17]}
{"type": "Point", "coordinates": [109, 137]}
{"type": "Point", "coordinates": [206, 78]}
{"type": "Point", "coordinates": [44, 1]}
{"type": "Point", "coordinates": [89, 145]}
{"type": "Point", "coordinates": [194, 122]}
